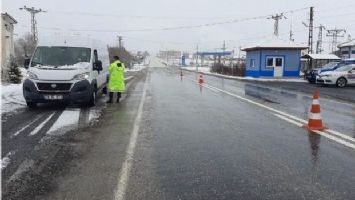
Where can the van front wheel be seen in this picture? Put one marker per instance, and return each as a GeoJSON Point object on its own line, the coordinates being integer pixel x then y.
{"type": "Point", "coordinates": [92, 101]}
{"type": "Point", "coordinates": [31, 104]}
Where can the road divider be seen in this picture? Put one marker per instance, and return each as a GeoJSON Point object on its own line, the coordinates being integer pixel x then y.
{"type": "Point", "coordinates": [328, 133]}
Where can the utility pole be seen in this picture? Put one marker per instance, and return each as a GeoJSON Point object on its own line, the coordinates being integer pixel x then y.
{"type": "Point", "coordinates": [335, 33]}
{"type": "Point", "coordinates": [33, 13]}
{"type": "Point", "coordinates": [319, 48]}
{"type": "Point", "coordinates": [291, 31]}
{"type": "Point", "coordinates": [120, 45]}
{"type": "Point", "coordinates": [224, 50]}
{"type": "Point", "coordinates": [277, 18]}
{"type": "Point", "coordinates": [310, 32]}
{"type": "Point", "coordinates": [197, 58]}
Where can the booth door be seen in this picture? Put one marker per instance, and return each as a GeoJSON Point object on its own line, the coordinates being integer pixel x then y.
{"type": "Point", "coordinates": [278, 65]}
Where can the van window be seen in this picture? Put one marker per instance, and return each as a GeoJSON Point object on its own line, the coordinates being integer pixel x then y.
{"type": "Point", "coordinates": [60, 56]}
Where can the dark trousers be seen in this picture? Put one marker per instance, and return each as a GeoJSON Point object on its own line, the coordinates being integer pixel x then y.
{"type": "Point", "coordinates": [118, 96]}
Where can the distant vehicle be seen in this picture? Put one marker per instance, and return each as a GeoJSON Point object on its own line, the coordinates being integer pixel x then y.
{"type": "Point", "coordinates": [66, 69]}
{"type": "Point", "coordinates": [340, 64]}
{"type": "Point", "coordinates": [312, 74]}
{"type": "Point", "coordinates": [340, 77]}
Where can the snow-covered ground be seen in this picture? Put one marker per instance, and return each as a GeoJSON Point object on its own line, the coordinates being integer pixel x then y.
{"type": "Point", "coordinates": [206, 70]}
{"type": "Point", "coordinates": [136, 68]}
{"type": "Point", "coordinates": [200, 69]}
{"type": "Point", "coordinates": [11, 95]}
{"type": "Point", "coordinates": [11, 98]}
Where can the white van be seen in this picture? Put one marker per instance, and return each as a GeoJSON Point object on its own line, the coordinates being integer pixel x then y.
{"type": "Point", "coordinates": [66, 69]}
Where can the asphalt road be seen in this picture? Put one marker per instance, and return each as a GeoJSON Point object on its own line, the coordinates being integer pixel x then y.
{"type": "Point", "coordinates": [173, 139]}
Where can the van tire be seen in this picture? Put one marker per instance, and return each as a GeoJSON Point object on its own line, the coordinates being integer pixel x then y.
{"type": "Point", "coordinates": [341, 82]}
{"type": "Point", "coordinates": [31, 104]}
{"type": "Point", "coordinates": [92, 101]}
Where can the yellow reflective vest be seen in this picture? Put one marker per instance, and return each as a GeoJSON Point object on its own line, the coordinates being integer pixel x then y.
{"type": "Point", "coordinates": [116, 81]}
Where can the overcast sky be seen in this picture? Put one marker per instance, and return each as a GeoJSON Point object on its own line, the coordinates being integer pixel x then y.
{"type": "Point", "coordinates": [105, 19]}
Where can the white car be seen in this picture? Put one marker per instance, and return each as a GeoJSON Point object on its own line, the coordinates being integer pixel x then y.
{"type": "Point", "coordinates": [340, 77]}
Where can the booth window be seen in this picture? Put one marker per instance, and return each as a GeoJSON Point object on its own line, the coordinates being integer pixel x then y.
{"type": "Point", "coordinates": [279, 62]}
{"type": "Point", "coordinates": [270, 62]}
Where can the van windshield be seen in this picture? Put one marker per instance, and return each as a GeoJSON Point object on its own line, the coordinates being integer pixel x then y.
{"type": "Point", "coordinates": [60, 56]}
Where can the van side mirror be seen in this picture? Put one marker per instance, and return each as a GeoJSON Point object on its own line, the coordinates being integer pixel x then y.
{"type": "Point", "coordinates": [26, 62]}
{"type": "Point", "coordinates": [98, 65]}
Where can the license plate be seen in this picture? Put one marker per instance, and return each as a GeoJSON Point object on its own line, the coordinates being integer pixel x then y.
{"type": "Point", "coordinates": [53, 97]}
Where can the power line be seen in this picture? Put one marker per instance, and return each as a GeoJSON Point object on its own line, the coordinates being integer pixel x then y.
{"type": "Point", "coordinates": [188, 27]}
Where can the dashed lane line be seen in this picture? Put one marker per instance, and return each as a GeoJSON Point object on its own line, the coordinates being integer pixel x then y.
{"type": "Point", "coordinates": [127, 164]}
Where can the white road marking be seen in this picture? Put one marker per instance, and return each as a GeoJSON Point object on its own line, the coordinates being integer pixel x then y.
{"type": "Point", "coordinates": [67, 119]}
{"type": "Point", "coordinates": [336, 139]}
{"type": "Point", "coordinates": [290, 118]}
{"type": "Point", "coordinates": [340, 135]}
{"type": "Point", "coordinates": [127, 164]}
{"type": "Point", "coordinates": [39, 127]}
{"type": "Point", "coordinates": [331, 137]}
{"type": "Point", "coordinates": [28, 125]}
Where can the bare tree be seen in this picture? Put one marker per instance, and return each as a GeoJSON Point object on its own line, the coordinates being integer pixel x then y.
{"type": "Point", "coordinates": [125, 56]}
{"type": "Point", "coordinates": [24, 48]}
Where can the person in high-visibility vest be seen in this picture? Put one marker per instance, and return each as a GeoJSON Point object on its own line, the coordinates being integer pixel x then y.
{"type": "Point", "coordinates": [116, 82]}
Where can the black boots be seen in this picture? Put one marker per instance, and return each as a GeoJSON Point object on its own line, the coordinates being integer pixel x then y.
{"type": "Point", "coordinates": [111, 97]}
{"type": "Point", "coordinates": [118, 97]}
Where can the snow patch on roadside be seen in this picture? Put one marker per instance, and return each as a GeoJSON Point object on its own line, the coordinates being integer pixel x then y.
{"type": "Point", "coordinates": [206, 70]}
{"type": "Point", "coordinates": [12, 95]}
{"type": "Point", "coordinates": [94, 115]}
{"type": "Point", "coordinates": [6, 160]}
{"type": "Point", "coordinates": [200, 69]}
{"type": "Point", "coordinates": [11, 98]}
{"type": "Point", "coordinates": [136, 68]}
{"type": "Point", "coordinates": [68, 120]}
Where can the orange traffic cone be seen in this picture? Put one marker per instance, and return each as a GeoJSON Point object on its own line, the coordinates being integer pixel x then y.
{"type": "Point", "coordinates": [315, 118]}
{"type": "Point", "coordinates": [200, 79]}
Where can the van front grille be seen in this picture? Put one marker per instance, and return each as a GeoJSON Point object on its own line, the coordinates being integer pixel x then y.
{"type": "Point", "coordinates": [54, 86]}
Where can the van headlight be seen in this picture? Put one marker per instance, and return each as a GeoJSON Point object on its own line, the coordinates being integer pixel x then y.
{"type": "Point", "coordinates": [83, 76]}
{"type": "Point", "coordinates": [31, 75]}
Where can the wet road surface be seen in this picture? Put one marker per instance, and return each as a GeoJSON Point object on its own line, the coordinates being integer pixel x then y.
{"type": "Point", "coordinates": [203, 143]}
